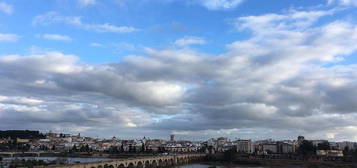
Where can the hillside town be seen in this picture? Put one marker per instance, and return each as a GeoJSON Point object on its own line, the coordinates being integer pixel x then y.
{"type": "Point", "coordinates": [34, 141]}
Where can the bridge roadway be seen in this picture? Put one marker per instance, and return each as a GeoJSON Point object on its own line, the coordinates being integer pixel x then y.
{"type": "Point", "coordinates": [139, 162]}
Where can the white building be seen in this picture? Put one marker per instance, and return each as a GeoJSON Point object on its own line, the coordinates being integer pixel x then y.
{"type": "Point", "coordinates": [270, 148]}
{"type": "Point", "coordinates": [349, 145]}
{"type": "Point", "coordinates": [286, 148]}
{"type": "Point", "coordinates": [245, 146]}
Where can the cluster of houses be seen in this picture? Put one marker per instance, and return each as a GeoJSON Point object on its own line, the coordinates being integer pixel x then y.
{"type": "Point", "coordinates": [67, 142]}
{"type": "Point", "coordinates": [266, 147]}
{"type": "Point", "coordinates": [248, 146]}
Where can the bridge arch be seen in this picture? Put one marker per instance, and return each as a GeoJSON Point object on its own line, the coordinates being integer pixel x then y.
{"type": "Point", "coordinates": [131, 165]}
{"type": "Point", "coordinates": [154, 164]}
{"type": "Point", "coordinates": [171, 162]}
{"type": "Point", "coordinates": [166, 162]}
{"type": "Point", "coordinates": [140, 164]}
{"type": "Point", "coordinates": [121, 166]}
{"type": "Point", "coordinates": [161, 164]}
{"type": "Point", "coordinates": [147, 164]}
{"type": "Point", "coordinates": [108, 166]}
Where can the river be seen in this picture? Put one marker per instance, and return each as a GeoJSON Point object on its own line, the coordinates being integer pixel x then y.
{"type": "Point", "coordinates": [209, 166]}
{"type": "Point", "coordinates": [63, 159]}
{"type": "Point", "coordinates": [88, 160]}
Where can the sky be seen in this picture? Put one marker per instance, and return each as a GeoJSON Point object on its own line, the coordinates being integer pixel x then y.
{"type": "Point", "coordinates": [198, 69]}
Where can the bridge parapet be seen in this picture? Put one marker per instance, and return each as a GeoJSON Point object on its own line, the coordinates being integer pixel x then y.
{"type": "Point", "coordinates": [138, 162]}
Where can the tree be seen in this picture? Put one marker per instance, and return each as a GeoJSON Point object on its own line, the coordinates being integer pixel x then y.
{"type": "Point", "coordinates": [134, 149]}
{"type": "Point", "coordinates": [161, 149]}
{"type": "Point", "coordinates": [122, 148]}
{"type": "Point", "coordinates": [354, 156]}
{"type": "Point", "coordinates": [87, 149]}
{"type": "Point", "coordinates": [229, 155]}
{"type": "Point", "coordinates": [82, 148]}
{"type": "Point", "coordinates": [142, 147]}
{"type": "Point", "coordinates": [74, 148]}
{"type": "Point", "coordinates": [346, 150]}
{"type": "Point", "coordinates": [53, 148]}
{"type": "Point", "coordinates": [306, 148]}
{"type": "Point", "coordinates": [113, 150]}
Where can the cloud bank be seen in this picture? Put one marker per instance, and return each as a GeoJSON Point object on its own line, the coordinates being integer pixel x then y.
{"type": "Point", "coordinates": [288, 78]}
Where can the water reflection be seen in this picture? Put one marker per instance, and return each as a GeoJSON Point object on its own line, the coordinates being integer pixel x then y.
{"type": "Point", "coordinates": [213, 166]}
{"type": "Point", "coordinates": [62, 159]}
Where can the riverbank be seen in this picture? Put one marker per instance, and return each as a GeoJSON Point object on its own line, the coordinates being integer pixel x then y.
{"type": "Point", "coordinates": [281, 164]}
{"type": "Point", "coordinates": [81, 155]}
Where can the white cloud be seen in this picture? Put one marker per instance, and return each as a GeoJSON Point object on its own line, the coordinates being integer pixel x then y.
{"type": "Point", "coordinates": [220, 4]}
{"type": "Point", "coordinates": [343, 2]}
{"type": "Point", "coordinates": [123, 46]}
{"type": "Point", "coordinates": [94, 44]}
{"type": "Point", "coordinates": [6, 8]}
{"type": "Point", "coordinates": [20, 100]}
{"type": "Point", "coordinates": [189, 40]}
{"type": "Point", "coordinates": [292, 20]}
{"type": "Point", "coordinates": [84, 3]}
{"type": "Point", "coordinates": [9, 37]}
{"type": "Point", "coordinates": [110, 28]}
{"type": "Point", "coordinates": [53, 17]}
{"type": "Point", "coordinates": [50, 62]}
{"type": "Point", "coordinates": [57, 37]}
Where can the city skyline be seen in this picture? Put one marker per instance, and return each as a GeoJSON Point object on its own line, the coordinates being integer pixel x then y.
{"type": "Point", "coordinates": [195, 69]}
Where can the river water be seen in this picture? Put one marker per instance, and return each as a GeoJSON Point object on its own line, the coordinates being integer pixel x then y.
{"type": "Point", "coordinates": [233, 166]}
{"type": "Point", "coordinates": [65, 159]}
{"type": "Point", "coordinates": [88, 160]}
{"type": "Point", "coordinates": [209, 166]}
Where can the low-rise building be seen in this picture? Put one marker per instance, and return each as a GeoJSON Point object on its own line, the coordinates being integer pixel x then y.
{"type": "Point", "coordinates": [317, 142]}
{"type": "Point", "coordinates": [19, 140]}
{"type": "Point", "coordinates": [285, 147]}
{"type": "Point", "coordinates": [270, 148]}
{"type": "Point", "coordinates": [244, 146]}
{"type": "Point", "coordinates": [330, 153]}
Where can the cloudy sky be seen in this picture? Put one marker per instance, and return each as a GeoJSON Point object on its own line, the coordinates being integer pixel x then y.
{"type": "Point", "coordinates": [195, 68]}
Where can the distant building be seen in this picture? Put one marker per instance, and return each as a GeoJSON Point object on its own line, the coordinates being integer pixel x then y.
{"type": "Point", "coordinates": [172, 137]}
{"type": "Point", "coordinates": [330, 153]}
{"type": "Point", "coordinates": [334, 146]}
{"type": "Point", "coordinates": [244, 146]}
{"type": "Point", "coordinates": [19, 140]}
{"type": "Point", "coordinates": [221, 141]}
{"type": "Point", "coordinates": [270, 148]}
{"type": "Point", "coordinates": [285, 148]}
{"type": "Point", "coordinates": [346, 145]}
{"type": "Point", "coordinates": [317, 142]}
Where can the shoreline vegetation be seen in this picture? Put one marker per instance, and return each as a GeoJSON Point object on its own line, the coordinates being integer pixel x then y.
{"type": "Point", "coordinates": [280, 164]}
{"type": "Point", "coordinates": [235, 161]}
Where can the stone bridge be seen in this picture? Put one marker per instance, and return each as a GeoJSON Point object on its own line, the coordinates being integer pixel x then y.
{"type": "Point", "coordinates": [139, 162]}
